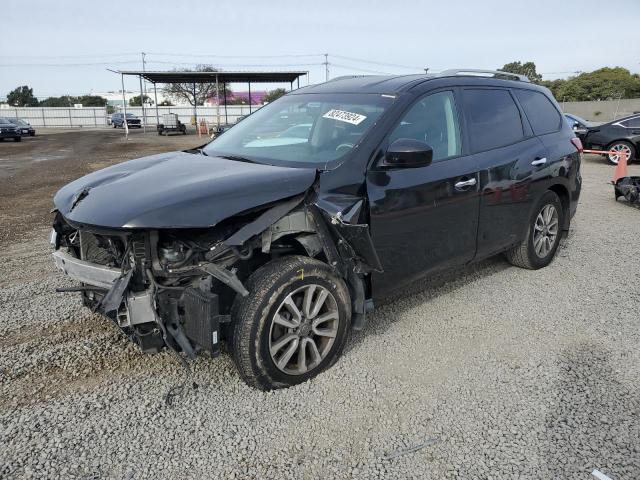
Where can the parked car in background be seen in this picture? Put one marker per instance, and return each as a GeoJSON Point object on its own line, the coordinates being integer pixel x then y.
{"type": "Point", "coordinates": [117, 120]}
{"type": "Point", "coordinates": [620, 136]}
{"type": "Point", "coordinates": [280, 247]}
{"type": "Point", "coordinates": [9, 130]}
{"type": "Point", "coordinates": [23, 127]}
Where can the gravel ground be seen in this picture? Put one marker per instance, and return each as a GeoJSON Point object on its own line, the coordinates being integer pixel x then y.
{"type": "Point", "coordinates": [496, 372]}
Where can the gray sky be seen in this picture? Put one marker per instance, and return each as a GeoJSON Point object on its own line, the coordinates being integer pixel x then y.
{"type": "Point", "coordinates": [560, 36]}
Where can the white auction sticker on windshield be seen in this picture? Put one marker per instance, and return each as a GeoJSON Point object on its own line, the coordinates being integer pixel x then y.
{"type": "Point", "coordinates": [342, 116]}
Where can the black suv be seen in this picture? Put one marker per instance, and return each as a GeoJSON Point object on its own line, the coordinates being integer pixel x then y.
{"type": "Point", "coordinates": [117, 120]}
{"type": "Point", "coordinates": [278, 244]}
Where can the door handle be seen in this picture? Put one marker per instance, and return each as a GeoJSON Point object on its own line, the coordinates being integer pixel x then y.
{"type": "Point", "coordinates": [465, 183]}
{"type": "Point", "coordinates": [539, 161]}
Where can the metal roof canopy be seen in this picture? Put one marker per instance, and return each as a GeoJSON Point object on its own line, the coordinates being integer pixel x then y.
{"type": "Point", "coordinates": [210, 77]}
{"type": "Point", "coordinates": [223, 77]}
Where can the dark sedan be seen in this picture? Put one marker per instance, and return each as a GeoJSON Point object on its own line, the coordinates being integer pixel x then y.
{"type": "Point", "coordinates": [8, 130]}
{"type": "Point", "coordinates": [23, 127]}
{"type": "Point", "coordinates": [621, 136]}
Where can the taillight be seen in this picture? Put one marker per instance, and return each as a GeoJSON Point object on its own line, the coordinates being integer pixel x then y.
{"type": "Point", "coordinates": [578, 144]}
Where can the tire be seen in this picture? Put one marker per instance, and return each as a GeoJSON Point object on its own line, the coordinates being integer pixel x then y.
{"type": "Point", "coordinates": [115, 126]}
{"type": "Point", "coordinates": [623, 146]}
{"type": "Point", "coordinates": [17, 139]}
{"type": "Point", "coordinates": [256, 333]}
{"type": "Point", "coordinates": [530, 254]}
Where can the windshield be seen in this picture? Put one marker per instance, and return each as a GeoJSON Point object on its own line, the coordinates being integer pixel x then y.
{"type": "Point", "coordinates": [302, 130]}
{"type": "Point", "coordinates": [4, 121]}
{"type": "Point", "coordinates": [574, 118]}
{"type": "Point", "coordinates": [130, 115]}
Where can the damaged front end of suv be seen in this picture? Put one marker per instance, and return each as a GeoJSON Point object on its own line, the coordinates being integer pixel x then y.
{"type": "Point", "coordinates": [176, 287]}
{"type": "Point", "coordinates": [259, 239]}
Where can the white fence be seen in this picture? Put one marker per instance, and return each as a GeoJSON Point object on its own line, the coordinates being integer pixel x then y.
{"type": "Point", "coordinates": [59, 116]}
{"type": "Point", "coordinates": [186, 113]}
{"type": "Point", "coordinates": [91, 117]}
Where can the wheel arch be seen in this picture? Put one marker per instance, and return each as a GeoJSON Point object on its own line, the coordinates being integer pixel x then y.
{"type": "Point", "coordinates": [562, 192]}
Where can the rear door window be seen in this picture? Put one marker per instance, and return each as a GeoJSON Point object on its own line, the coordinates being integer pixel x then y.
{"type": "Point", "coordinates": [493, 118]}
{"type": "Point", "coordinates": [541, 113]}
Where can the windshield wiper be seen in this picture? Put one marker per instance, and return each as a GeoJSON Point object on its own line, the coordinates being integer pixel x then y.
{"type": "Point", "coordinates": [202, 152]}
{"type": "Point", "coordinates": [237, 158]}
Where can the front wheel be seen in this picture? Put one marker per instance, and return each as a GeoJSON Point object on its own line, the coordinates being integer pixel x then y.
{"type": "Point", "coordinates": [293, 324]}
{"type": "Point", "coordinates": [543, 236]}
{"type": "Point", "coordinates": [17, 139]}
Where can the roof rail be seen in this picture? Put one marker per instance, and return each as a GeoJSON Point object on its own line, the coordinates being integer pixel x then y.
{"type": "Point", "coordinates": [472, 71]}
{"type": "Point", "coordinates": [345, 77]}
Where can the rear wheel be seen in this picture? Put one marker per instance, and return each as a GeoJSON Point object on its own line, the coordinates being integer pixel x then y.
{"type": "Point", "coordinates": [621, 148]}
{"type": "Point", "coordinates": [543, 237]}
{"type": "Point", "coordinates": [17, 139]}
{"type": "Point", "coordinates": [292, 325]}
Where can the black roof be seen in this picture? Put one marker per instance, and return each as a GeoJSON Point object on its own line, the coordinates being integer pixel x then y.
{"type": "Point", "coordinates": [391, 84]}
{"type": "Point", "coordinates": [210, 77]}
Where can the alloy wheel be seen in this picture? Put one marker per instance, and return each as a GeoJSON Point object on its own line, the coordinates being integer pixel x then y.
{"type": "Point", "coordinates": [545, 230]}
{"type": "Point", "coordinates": [620, 148]}
{"type": "Point", "coordinates": [303, 329]}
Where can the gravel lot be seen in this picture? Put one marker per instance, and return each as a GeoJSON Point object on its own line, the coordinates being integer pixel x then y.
{"type": "Point", "coordinates": [495, 371]}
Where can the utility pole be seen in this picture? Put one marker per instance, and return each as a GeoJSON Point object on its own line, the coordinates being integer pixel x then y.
{"type": "Point", "coordinates": [326, 66]}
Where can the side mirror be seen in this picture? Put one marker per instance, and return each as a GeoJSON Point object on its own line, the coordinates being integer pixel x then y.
{"type": "Point", "coordinates": [408, 153]}
{"type": "Point", "coordinates": [576, 125]}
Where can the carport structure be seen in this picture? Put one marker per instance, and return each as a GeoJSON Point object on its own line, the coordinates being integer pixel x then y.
{"type": "Point", "coordinates": [221, 78]}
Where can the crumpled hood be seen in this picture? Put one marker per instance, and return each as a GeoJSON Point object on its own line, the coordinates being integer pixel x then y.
{"type": "Point", "coordinates": [176, 190]}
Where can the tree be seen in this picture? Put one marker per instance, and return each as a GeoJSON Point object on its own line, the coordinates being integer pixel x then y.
{"type": "Point", "coordinates": [135, 101]}
{"type": "Point", "coordinates": [90, 100]}
{"type": "Point", "coordinates": [204, 91]}
{"type": "Point", "coordinates": [22, 97]}
{"type": "Point", "coordinates": [603, 84]}
{"type": "Point", "coordinates": [554, 86]}
{"type": "Point", "coordinates": [64, 101]}
{"type": "Point", "coordinates": [69, 101]}
{"type": "Point", "coordinates": [274, 95]}
{"type": "Point", "coordinates": [527, 68]}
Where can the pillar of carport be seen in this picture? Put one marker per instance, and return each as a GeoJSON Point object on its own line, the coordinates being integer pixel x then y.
{"type": "Point", "coordinates": [226, 119]}
{"type": "Point", "coordinates": [155, 98]}
{"type": "Point", "coordinates": [144, 117]}
{"type": "Point", "coordinates": [125, 126]}
{"type": "Point", "coordinates": [195, 105]}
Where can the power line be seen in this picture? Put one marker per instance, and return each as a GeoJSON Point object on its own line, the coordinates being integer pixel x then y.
{"type": "Point", "coordinates": [68, 64]}
{"type": "Point", "coordinates": [92, 55]}
{"type": "Point", "coordinates": [382, 64]}
{"type": "Point", "coordinates": [366, 70]}
{"type": "Point", "coordinates": [182, 55]}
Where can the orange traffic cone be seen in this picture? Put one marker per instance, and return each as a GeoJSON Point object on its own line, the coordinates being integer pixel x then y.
{"type": "Point", "coordinates": [621, 168]}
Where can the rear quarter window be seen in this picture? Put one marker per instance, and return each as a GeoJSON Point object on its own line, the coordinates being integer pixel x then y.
{"type": "Point", "coordinates": [541, 113]}
{"type": "Point", "coordinates": [631, 123]}
{"type": "Point", "coordinates": [493, 119]}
